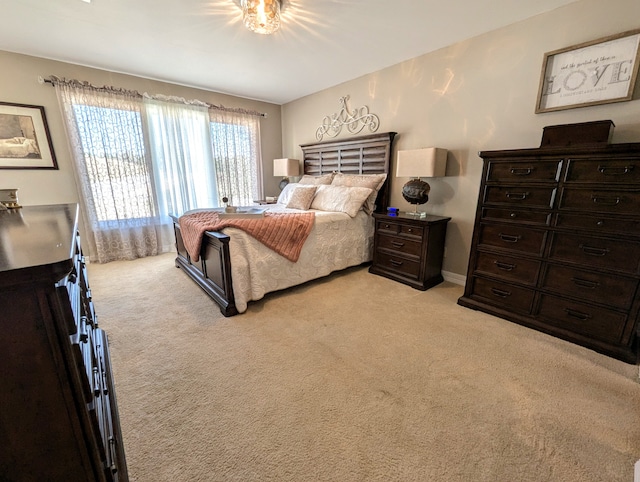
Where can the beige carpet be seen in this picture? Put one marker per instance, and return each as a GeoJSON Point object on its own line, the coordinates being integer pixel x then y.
{"type": "Point", "coordinates": [354, 378]}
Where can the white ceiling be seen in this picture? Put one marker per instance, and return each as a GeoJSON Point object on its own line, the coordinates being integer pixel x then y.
{"type": "Point", "coordinates": [202, 43]}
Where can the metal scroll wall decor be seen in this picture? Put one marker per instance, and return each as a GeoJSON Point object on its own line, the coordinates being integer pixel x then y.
{"type": "Point", "coordinates": [355, 121]}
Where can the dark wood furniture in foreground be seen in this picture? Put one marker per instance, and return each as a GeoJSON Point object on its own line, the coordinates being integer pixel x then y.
{"type": "Point", "coordinates": [409, 249]}
{"type": "Point", "coordinates": [58, 413]}
{"type": "Point", "coordinates": [359, 155]}
{"type": "Point", "coordinates": [556, 244]}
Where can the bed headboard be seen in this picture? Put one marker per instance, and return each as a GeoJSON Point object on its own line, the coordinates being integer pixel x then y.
{"type": "Point", "coordinates": [369, 154]}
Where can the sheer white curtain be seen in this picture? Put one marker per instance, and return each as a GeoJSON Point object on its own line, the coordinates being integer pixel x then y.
{"type": "Point", "coordinates": [236, 154]}
{"type": "Point", "coordinates": [113, 171]}
{"type": "Point", "coordinates": [140, 158]}
{"type": "Point", "coordinates": [181, 149]}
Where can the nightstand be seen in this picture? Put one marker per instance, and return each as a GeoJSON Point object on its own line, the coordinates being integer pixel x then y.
{"type": "Point", "coordinates": [409, 249]}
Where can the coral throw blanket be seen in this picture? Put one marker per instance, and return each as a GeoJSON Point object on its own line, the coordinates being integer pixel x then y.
{"type": "Point", "coordinates": [285, 233]}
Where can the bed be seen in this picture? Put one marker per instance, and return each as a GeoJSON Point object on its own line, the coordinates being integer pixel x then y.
{"type": "Point", "coordinates": [234, 269]}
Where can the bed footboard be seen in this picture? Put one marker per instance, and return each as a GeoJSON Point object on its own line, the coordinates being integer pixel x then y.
{"type": "Point", "coordinates": [213, 271]}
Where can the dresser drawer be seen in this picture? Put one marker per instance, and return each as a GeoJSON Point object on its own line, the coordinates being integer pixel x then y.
{"type": "Point", "coordinates": [508, 268]}
{"type": "Point", "coordinates": [604, 171]}
{"type": "Point", "coordinates": [398, 264]}
{"type": "Point", "coordinates": [503, 295]}
{"type": "Point", "coordinates": [514, 237]}
{"type": "Point", "coordinates": [540, 197]}
{"type": "Point", "coordinates": [535, 170]}
{"type": "Point", "coordinates": [514, 215]}
{"type": "Point", "coordinates": [596, 287]}
{"type": "Point", "coordinates": [596, 224]}
{"type": "Point", "coordinates": [610, 254]}
{"type": "Point", "coordinates": [400, 245]}
{"type": "Point", "coordinates": [582, 318]}
{"type": "Point", "coordinates": [601, 201]}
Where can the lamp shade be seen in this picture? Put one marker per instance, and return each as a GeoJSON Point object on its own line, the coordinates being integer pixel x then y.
{"type": "Point", "coordinates": [286, 167]}
{"type": "Point", "coordinates": [416, 163]}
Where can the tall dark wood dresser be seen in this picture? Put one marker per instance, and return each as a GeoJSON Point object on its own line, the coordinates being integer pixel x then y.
{"type": "Point", "coordinates": [556, 243]}
{"type": "Point", "coordinates": [58, 412]}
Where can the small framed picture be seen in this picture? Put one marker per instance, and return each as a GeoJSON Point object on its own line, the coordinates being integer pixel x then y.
{"type": "Point", "coordinates": [25, 142]}
{"type": "Point", "coordinates": [592, 73]}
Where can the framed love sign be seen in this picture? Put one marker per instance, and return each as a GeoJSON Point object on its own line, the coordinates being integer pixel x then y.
{"type": "Point", "coordinates": [591, 73]}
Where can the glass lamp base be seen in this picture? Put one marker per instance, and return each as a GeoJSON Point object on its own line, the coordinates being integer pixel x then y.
{"type": "Point", "coordinates": [415, 212]}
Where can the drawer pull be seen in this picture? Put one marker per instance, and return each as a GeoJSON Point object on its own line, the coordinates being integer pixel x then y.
{"type": "Point", "coordinates": [615, 171]}
{"type": "Point", "coordinates": [500, 293]}
{"type": "Point", "coordinates": [397, 244]}
{"type": "Point", "coordinates": [591, 251]}
{"type": "Point", "coordinates": [517, 195]}
{"type": "Point", "coordinates": [395, 263]}
{"type": "Point", "coordinates": [577, 314]}
{"type": "Point", "coordinates": [606, 201]}
{"type": "Point", "coordinates": [505, 266]}
{"type": "Point", "coordinates": [521, 171]}
{"type": "Point", "coordinates": [585, 283]}
{"type": "Point", "coordinates": [509, 238]}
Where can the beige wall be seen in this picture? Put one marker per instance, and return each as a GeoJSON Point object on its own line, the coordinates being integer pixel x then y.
{"type": "Point", "coordinates": [476, 95]}
{"type": "Point", "coordinates": [19, 84]}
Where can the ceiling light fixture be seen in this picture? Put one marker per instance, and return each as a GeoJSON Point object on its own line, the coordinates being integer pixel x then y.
{"type": "Point", "coordinates": [261, 16]}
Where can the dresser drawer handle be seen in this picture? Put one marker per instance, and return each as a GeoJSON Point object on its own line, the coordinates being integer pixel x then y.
{"type": "Point", "coordinates": [509, 238]}
{"type": "Point", "coordinates": [397, 244]}
{"type": "Point", "coordinates": [585, 283]}
{"type": "Point", "coordinates": [615, 170]}
{"type": "Point", "coordinates": [606, 201]}
{"type": "Point", "coordinates": [504, 266]}
{"type": "Point", "coordinates": [500, 293]}
{"type": "Point", "coordinates": [396, 263]}
{"type": "Point", "coordinates": [517, 195]}
{"type": "Point", "coordinates": [521, 171]}
{"type": "Point", "coordinates": [591, 251]}
{"type": "Point", "coordinates": [577, 314]}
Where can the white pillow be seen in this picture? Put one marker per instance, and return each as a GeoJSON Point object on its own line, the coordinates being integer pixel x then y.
{"type": "Point", "coordinates": [315, 180]}
{"type": "Point", "coordinates": [372, 181]}
{"type": "Point", "coordinates": [341, 199]}
{"type": "Point", "coordinates": [285, 195]}
{"type": "Point", "coordinates": [302, 197]}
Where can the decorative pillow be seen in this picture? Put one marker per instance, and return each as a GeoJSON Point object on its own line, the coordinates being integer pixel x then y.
{"type": "Point", "coordinates": [371, 181]}
{"type": "Point", "coordinates": [342, 199]}
{"type": "Point", "coordinates": [286, 193]}
{"type": "Point", "coordinates": [302, 197]}
{"type": "Point", "coordinates": [316, 180]}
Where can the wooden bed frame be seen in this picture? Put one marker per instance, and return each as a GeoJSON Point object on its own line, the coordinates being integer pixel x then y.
{"type": "Point", "coordinates": [369, 154]}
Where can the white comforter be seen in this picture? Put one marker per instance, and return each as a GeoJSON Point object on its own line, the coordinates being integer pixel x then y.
{"type": "Point", "coordinates": [336, 242]}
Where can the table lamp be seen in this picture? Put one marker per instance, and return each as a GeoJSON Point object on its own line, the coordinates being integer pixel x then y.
{"type": "Point", "coordinates": [418, 163]}
{"type": "Point", "coordinates": [286, 167]}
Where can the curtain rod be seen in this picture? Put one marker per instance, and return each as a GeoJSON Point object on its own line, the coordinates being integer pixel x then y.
{"type": "Point", "coordinates": [53, 79]}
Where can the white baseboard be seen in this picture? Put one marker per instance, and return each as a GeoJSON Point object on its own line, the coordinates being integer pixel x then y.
{"type": "Point", "coordinates": [636, 472]}
{"type": "Point", "coordinates": [454, 278]}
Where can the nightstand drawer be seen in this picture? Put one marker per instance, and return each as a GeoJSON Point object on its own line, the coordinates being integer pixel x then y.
{"type": "Point", "coordinates": [400, 245]}
{"type": "Point", "coordinates": [399, 264]}
{"type": "Point", "coordinates": [407, 230]}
